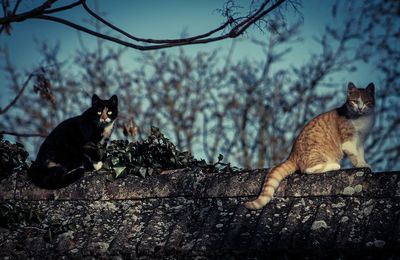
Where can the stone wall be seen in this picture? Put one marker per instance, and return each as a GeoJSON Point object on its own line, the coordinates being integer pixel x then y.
{"type": "Point", "coordinates": [192, 214]}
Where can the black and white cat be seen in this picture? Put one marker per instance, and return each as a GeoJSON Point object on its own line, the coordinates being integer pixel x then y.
{"type": "Point", "coordinates": [64, 155]}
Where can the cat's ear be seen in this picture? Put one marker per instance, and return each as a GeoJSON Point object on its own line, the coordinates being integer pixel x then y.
{"type": "Point", "coordinates": [114, 100]}
{"type": "Point", "coordinates": [95, 99]}
{"type": "Point", "coordinates": [371, 89]}
{"type": "Point", "coordinates": [351, 88]}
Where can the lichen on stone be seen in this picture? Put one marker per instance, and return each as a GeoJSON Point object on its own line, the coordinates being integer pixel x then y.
{"type": "Point", "coordinates": [359, 173]}
{"type": "Point", "coordinates": [318, 224]}
{"type": "Point", "coordinates": [348, 191]}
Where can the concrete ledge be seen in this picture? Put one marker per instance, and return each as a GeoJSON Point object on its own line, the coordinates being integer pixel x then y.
{"type": "Point", "coordinates": [189, 214]}
{"type": "Point", "coordinates": [194, 183]}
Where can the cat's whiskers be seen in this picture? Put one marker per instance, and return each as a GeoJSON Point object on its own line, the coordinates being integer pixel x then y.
{"type": "Point", "coordinates": [107, 120]}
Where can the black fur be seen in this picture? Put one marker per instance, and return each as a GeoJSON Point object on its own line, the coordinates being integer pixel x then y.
{"type": "Point", "coordinates": [66, 146]}
{"type": "Point", "coordinates": [344, 111]}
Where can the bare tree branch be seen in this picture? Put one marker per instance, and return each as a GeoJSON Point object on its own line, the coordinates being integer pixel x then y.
{"type": "Point", "coordinates": [99, 18]}
{"type": "Point", "coordinates": [22, 135]}
{"type": "Point", "coordinates": [30, 14]}
{"type": "Point", "coordinates": [41, 12]}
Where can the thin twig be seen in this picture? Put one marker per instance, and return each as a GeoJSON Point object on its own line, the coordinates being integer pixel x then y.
{"type": "Point", "coordinates": [62, 8]}
{"type": "Point", "coordinates": [22, 135]}
{"type": "Point", "coordinates": [2, 111]}
{"type": "Point", "coordinates": [258, 17]}
{"type": "Point", "coordinates": [16, 7]}
{"type": "Point", "coordinates": [40, 229]}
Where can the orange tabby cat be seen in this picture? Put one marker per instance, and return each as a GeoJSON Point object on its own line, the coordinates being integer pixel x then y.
{"type": "Point", "coordinates": [320, 145]}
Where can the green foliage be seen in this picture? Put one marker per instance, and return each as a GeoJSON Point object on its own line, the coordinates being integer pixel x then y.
{"type": "Point", "coordinates": [13, 216]}
{"type": "Point", "coordinates": [56, 228]}
{"type": "Point", "coordinates": [12, 157]}
{"type": "Point", "coordinates": [150, 156]}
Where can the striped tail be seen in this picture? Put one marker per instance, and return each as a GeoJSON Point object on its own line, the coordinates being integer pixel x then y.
{"type": "Point", "coordinates": [271, 183]}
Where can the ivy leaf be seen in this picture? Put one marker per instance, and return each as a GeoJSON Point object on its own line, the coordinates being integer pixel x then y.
{"type": "Point", "coordinates": [115, 160]}
{"type": "Point", "coordinates": [106, 165]}
{"type": "Point", "coordinates": [102, 152]}
{"type": "Point", "coordinates": [119, 171]}
{"type": "Point", "coordinates": [12, 157]}
{"type": "Point", "coordinates": [110, 177]}
{"type": "Point", "coordinates": [142, 171]}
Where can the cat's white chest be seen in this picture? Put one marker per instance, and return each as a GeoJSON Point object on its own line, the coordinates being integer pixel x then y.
{"type": "Point", "coordinates": [108, 129]}
{"type": "Point", "coordinates": [107, 133]}
{"type": "Point", "coordinates": [363, 125]}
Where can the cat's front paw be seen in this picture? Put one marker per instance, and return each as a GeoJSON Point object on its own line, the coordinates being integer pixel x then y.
{"type": "Point", "coordinates": [363, 165]}
{"type": "Point", "coordinates": [97, 166]}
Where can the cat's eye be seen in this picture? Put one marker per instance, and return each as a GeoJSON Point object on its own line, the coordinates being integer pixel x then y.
{"type": "Point", "coordinates": [99, 112]}
{"type": "Point", "coordinates": [354, 102]}
{"type": "Point", "coordinates": [109, 112]}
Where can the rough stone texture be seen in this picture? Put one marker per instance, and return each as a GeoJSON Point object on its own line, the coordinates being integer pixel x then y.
{"type": "Point", "coordinates": [190, 214]}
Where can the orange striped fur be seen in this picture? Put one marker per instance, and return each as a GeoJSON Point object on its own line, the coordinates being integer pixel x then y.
{"type": "Point", "coordinates": [321, 144]}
